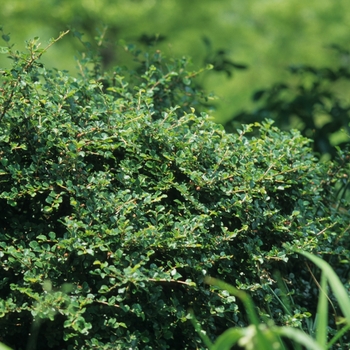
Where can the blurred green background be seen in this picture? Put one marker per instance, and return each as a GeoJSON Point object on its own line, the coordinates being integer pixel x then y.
{"type": "Point", "coordinates": [265, 35]}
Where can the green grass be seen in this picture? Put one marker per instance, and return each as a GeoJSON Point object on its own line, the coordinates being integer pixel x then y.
{"type": "Point", "coordinates": [265, 336]}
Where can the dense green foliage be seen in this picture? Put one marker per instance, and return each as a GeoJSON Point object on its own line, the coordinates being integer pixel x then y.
{"type": "Point", "coordinates": [117, 200]}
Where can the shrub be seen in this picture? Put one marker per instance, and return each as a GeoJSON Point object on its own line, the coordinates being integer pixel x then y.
{"type": "Point", "coordinates": [118, 200]}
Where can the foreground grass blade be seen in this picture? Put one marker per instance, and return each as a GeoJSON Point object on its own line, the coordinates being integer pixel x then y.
{"type": "Point", "coordinates": [298, 336]}
{"type": "Point", "coordinates": [227, 339]}
{"type": "Point", "coordinates": [259, 336]}
{"type": "Point", "coordinates": [338, 336]}
{"type": "Point", "coordinates": [322, 312]}
{"type": "Point", "coordinates": [334, 282]}
{"type": "Point", "coordinates": [246, 299]}
{"type": "Point", "coordinates": [200, 331]}
{"type": "Point", "coordinates": [4, 347]}
{"type": "Point", "coordinates": [249, 308]}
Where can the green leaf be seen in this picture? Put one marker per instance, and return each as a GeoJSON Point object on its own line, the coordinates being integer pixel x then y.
{"type": "Point", "coordinates": [6, 37]}
{"type": "Point", "coordinates": [4, 49]}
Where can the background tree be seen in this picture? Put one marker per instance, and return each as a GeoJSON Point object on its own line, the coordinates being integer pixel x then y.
{"type": "Point", "coordinates": [267, 36]}
{"type": "Point", "coordinates": [313, 102]}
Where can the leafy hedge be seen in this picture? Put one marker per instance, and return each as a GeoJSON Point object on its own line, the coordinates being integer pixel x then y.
{"type": "Point", "coordinates": [117, 201]}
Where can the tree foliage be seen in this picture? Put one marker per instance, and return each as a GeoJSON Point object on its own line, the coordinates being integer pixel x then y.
{"type": "Point", "coordinates": [265, 35]}
{"type": "Point", "coordinates": [316, 103]}
{"type": "Point", "coordinates": [118, 199]}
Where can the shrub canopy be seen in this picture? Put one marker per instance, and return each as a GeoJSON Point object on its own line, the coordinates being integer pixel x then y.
{"type": "Point", "coordinates": [117, 200]}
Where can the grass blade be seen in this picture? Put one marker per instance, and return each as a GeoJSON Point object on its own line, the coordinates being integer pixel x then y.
{"type": "Point", "coordinates": [298, 336]}
{"type": "Point", "coordinates": [334, 282]}
{"type": "Point", "coordinates": [227, 339]}
{"type": "Point", "coordinates": [200, 331]}
{"type": "Point", "coordinates": [322, 314]}
{"type": "Point", "coordinates": [249, 308]}
{"type": "Point", "coordinates": [4, 347]}
{"type": "Point", "coordinates": [246, 299]}
{"type": "Point", "coordinates": [338, 335]}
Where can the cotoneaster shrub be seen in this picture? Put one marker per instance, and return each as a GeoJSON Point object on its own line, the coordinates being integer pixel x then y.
{"type": "Point", "coordinates": [117, 200]}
